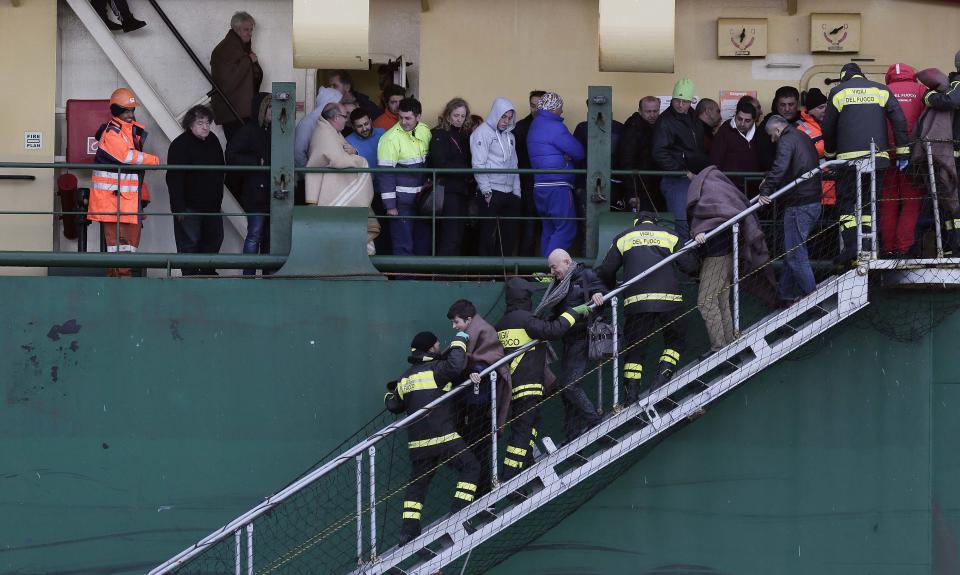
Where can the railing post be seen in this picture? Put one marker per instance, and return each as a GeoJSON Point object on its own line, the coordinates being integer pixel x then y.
{"type": "Point", "coordinates": [249, 548]}
{"type": "Point", "coordinates": [936, 203]}
{"type": "Point", "coordinates": [236, 543]}
{"type": "Point", "coordinates": [359, 509]}
{"type": "Point", "coordinates": [493, 429]}
{"type": "Point", "coordinates": [858, 210]}
{"type": "Point", "coordinates": [599, 130]}
{"type": "Point", "coordinates": [736, 280]}
{"type": "Point", "coordinates": [616, 353]}
{"type": "Point", "coordinates": [372, 453]}
{"type": "Point", "coordinates": [874, 224]}
{"type": "Point", "coordinates": [282, 180]}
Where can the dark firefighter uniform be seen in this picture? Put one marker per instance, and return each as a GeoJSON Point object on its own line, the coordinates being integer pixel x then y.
{"type": "Point", "coordinates": [949, 101]}
{"type": "Point", "coordinates": [433, 439]}
{"type": "Point", "coordinates": [654, 299]}
{"type": "Point", "coordinates": [515, 329]}
{"type": "Point", "coordinates": [857, 114]}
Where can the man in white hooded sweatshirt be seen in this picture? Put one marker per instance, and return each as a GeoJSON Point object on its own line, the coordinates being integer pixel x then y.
{"type": "Point", "coordinates": [492, 146]}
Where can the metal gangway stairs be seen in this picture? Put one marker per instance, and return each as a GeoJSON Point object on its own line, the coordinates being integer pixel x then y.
{"type": "Point", "coordinates": [624, 430]}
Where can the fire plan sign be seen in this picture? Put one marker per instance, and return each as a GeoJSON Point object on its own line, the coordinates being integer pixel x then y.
{"type": "Point", "coordinates": [33, 140]}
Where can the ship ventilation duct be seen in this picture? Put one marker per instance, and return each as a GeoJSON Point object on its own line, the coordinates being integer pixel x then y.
{"type": "Point", "coordinates": [637, 35]}
{"type": "Point", "coordinates": [320, 43]}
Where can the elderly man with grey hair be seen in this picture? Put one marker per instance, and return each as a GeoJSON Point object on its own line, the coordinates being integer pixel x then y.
{"type": "Point", "coordinates": [796, 155]}
{"type": "Point", "coordinates": [236, 70]}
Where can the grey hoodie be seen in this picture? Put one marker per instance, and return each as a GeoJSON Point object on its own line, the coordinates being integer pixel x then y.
{"type": "Point", "coordinates": [492, 148]}
{"type": "Point", "coordinates": [306, 126]}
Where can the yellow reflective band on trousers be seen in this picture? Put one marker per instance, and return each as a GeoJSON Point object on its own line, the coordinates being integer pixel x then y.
{"type": "Point", "coordinates": [411, 515]}
{"type": "Point", "coordinates": [527, 390]}
{"type": "Point", "coordinates": [433, 441]}
{"type": "Point", "coordinates": [653, 297]}
{"type": "Point", "coordinates": [467, 486]}
{"type": "Point", "coordinates": [412, 505]}
{"type": "Point", "coordinates": [860, 154]}
{"type": "Point", "coordinates": [516, 450]}
{"type": "Point", "coordinates": [416, 382]}
{"type": "Point", "coordinates": [952, 224]}
{"type": "Point", "coordinates": [847, 221]}
{"type": "Point", "coordinates": [632, 370]}
{"type": "Point", "coordinates": [511, 463]}
{"type": "Point", "coordinates": [464, 496]}
{"type": "Point", "coordinates": [670, 356]}
{"type": "Point", "coordinates": [860, 96]}
{"type": "Point", "coordinates": [639, 238]}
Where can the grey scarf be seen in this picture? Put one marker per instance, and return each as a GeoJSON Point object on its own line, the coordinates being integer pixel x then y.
{"type": "Point", "coordinates": [556, 292]}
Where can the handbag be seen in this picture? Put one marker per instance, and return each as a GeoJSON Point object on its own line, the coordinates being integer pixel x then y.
{"type": "Point", "coordinates": [600, 340]}
{"type": "Point", "coordinates": [430, 199]}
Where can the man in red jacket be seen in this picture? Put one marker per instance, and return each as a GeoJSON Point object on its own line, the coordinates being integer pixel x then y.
{"type": "Point", "coordinates": [900, 202]}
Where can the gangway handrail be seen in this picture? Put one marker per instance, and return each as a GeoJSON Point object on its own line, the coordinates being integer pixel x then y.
{"type": "Point", "coordinates": [293, 488]}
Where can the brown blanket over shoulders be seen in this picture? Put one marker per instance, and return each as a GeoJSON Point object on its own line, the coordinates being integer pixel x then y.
{"type": "Point", "coordinates": [484, 347]}
{"type": "Point", "coordinates": [937, 127]}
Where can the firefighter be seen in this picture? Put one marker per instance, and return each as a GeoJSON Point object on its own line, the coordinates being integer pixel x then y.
{"type": "Point", "coordinates": [120, 196]}
{"type": "Point", "coordinates": [857, 114]}
{"type": "Point", "coordinates": [654, 299]}
{"type": "Point", "coordinates": [433, 439]}
{"type": "Point", "coordinates": [515, 329]}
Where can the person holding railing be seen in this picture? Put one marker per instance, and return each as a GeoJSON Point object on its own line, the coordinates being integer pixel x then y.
{"type": "Point", "coordinates": [118, 198]}
{"type": "Point", "coordinates": [857, 113]}
{"type": "Point", "coordinates": [943, 99]}
{"type": "Point", "coordinates": [796, 155]}
{"type": "Point", "coordinates": [196, 192]}
{"type": "Point", "coordinates": [433, 439]}
{"type": "Point", "coordinates": [654, 300]}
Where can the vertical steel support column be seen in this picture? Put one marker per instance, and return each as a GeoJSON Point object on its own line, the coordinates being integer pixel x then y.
{"type": "Point", "coordinates": [282, 180]}
{"type": "Point", "coordinates": [236, 542]}
{"type": "Point", "coordinates": [249, 548]}
{"type": "Point", "coordinates": [936, 202]}
{"type": "Point", "coordinates": [372, 453]}
{"type": "Point", "coordinates": [858, 211]}
{"type": "Point", "coordinates": [736, 280]}
{"type": "Point", "coordinates": [599, 132]}
{"type": "Point", "coordinates": [493, 429]}
{"type": "Point", "coordinates": [359, 509]}
{"type": "Point", "coordinates": [600, 389]}
{"type": "Point", "coordinates": [616, 354]}
{"type": "Point", "coordinates": [874, 223]}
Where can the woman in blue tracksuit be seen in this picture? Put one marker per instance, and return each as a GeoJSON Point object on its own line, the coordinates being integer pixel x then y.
{"type": "Point", "coordinates": [552, 146]}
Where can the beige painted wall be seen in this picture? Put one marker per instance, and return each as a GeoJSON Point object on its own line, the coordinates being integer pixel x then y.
{"type": "Point", "coordinates": [480, 50]}
{"type": "Point", "coordinates": [28, 61]}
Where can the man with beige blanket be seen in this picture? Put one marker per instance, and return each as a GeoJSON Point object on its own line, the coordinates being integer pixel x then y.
{"type": "Point", "coordinates": [328, 149]}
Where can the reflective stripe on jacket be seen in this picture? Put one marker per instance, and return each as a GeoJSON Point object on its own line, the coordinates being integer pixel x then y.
{"type": "Point", "coordinates": [857, 113]}
{"type": "Point", "coordinates": [120, 144]}
{"type": "Point", "coordinates": [401, 149]}
{"type": "Point", "coordinates": [809, 126]}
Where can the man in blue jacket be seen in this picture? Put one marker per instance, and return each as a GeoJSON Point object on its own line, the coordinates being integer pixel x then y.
{"type": "Point", "coordinates": [551, 147]}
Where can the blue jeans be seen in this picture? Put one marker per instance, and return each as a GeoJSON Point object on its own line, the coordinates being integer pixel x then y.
{"type": "Point", "coordinates": [674, 192]}
{"type": "Point", "coordinates": [797, 279]}
{"type": "Point", "coordinates": [409, 237]}
{"type": "Point", "coordinates": [257, 240]}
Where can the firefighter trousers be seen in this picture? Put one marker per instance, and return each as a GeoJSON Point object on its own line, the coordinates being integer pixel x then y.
{"type": "Point", "coordinates": [638, 328]}
{"type": "Point", "coordinates": [524, 414]}
{"type": "Point", "coordinates": [424, 462]}
{"type": "Point", "coordinates": [847, 206]}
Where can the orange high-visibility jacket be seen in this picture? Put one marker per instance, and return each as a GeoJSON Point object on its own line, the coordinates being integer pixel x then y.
{"type": "Point", "coordinates": [121, 143]}
{"type": "Point", "coordinates": [811, 127]}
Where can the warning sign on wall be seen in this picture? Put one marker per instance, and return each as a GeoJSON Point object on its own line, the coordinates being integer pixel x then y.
{"type": "Point", "coordinates": [33, 140]}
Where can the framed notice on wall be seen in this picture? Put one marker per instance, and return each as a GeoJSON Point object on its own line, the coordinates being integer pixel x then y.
{"type": "Point", "coordinates": [742, 37]}
{"type": "Point", "coordinates": [835, 33]}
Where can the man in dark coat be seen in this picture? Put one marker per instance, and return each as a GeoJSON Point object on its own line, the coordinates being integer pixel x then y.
{"type": "Point", "coordinates": [196, 192]}
{"type": "Point", "coordinates": [735, 145]}
{"type": "Point", "coordinates": [528, 230]}
{"type": "Point", "coordinates": [635, 152]}
{"type": "Point", "coordinates": [251, 147]}
{"type": "Point", "coordinates": [236, 70]}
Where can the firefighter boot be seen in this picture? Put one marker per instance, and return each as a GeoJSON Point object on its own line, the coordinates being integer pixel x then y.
{"type": "Point", "coordinates": [951, 241]}
{"type": "Point", "coordinates": [633, 391]}
{"type": "Point", "coordinates": [664, 374]}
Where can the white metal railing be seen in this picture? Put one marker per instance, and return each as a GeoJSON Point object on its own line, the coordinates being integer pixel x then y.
{"type": "Point", "coordinates": [245, 521]}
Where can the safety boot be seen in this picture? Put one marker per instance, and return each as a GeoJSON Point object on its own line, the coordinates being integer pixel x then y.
{"type": "Point", "coordinates": [633, 391]}
{"type": "Point", "coordinates": [664, 374]}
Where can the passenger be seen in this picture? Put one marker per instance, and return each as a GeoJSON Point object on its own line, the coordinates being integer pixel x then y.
{"type": "Point", "coordinates": [655, 299]}
{"type": "Point", "coordinates": [306, 126]}
{"type": "Point", "coordinates": [492, 146]}
{"type": "Point", "coordinates": [194, 193]}
{"type": "Point", "coordinates": [636, 153]}
{"type": "Point", "coordinates": [483, 350]}
{"type": "Point", "coordinates": [365, 138]}
{"type": "Point", "coordinates": [251, 147]}
{"type": "Point", "coordinates": [901, 201]}
{"type": "Point", "coordinates": [450, 148]}
{"type": "Point", "coordinates": [120, 8]}
{"type": "Point", "coordinates": [811, 118]}
{"type": "Point", "coordinates": [796, 155]}
{"type": "Point", "coordinates": [553, 147]}
{"type": "Point", "coordinates": [342, 81]}
{"type": "Point", "coordinates": [328, 149]}
{"type": "Point", "coordinates": [941, 123]}
{"type": "Point", "coordinates": [574, 284]}
{"type": "Point", "coordinates": [786, 103]}
{"type": "Point", "coordinates": [735, 144]}
{"type": "Point", "coordinates": [236, 70]}
{"type": "Point", "coordinates": [116, 199]}
{"type": "Point", "coordinates": [433, 439]}
{"type": "Point", "coordinates": [405, 146]}
{"type": "Point", "coordinates": [677, 146]}
{"type": "Point", "coordinates": [515, 329]}
{"type": "Point", "coordinates": [528, 228]}
{"type": "Point", "coordinates": [392, 96]}
{"type": "Point", "coordinates": [857, 113]}
{"type": "Point", "coordinates": [708, 112]}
